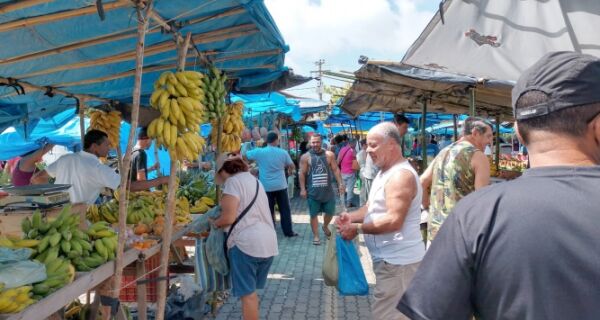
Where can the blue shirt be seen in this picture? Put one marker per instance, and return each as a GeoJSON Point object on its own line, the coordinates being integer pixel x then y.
{"type": "Point", "coordinates": [271, 166]}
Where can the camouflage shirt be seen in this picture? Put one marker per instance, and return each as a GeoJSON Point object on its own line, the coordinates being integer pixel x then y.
{"type": "Point", "coordinates": [453, 178]}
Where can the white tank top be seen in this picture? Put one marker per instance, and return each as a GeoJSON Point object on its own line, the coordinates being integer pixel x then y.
{"type": "Point", "coordinates": [404, 246]}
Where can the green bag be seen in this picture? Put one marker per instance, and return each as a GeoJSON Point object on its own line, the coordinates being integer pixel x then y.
{"type": "Point", "coordinates": [330, 261]}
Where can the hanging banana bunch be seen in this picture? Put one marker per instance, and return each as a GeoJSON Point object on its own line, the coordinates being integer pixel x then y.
{"type": "Point", "coordinates": [215, 93]}
{"type": "Point", "coordinates": [179, 97]}
{"type": "Point", "coordinates": [233, 126]}
{"type": "Point", "coordinates": [107, 122]}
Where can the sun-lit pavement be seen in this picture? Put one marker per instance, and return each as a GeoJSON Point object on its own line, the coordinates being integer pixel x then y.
{"type": "Point", "coordinates": [295, 289]}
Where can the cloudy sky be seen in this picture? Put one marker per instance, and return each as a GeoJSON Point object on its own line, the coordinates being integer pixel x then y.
{"type": "Point", "coordinates": [339, 31]}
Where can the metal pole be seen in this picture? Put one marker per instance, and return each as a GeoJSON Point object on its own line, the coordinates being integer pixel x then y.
{"type": "Point", "coordinates": [472, 106]}
{"type": "Point", "coordinates": [497, 158]}
{"type": "Point", "coordinates": [455, 123]}
{"type": "Point", "coordinates": [424, 135]}
{"type": "Point", "coordinates": [82, 120]}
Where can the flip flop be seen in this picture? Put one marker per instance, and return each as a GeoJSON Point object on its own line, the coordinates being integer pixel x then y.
{"type": "Point", "coordinates": [317, 242]}
{"type": "Point", "coordinates": [326, 231]}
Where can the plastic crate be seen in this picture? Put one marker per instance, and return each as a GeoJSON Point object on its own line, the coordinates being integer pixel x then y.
{"type": "Point", "coordinates": [129, 293]}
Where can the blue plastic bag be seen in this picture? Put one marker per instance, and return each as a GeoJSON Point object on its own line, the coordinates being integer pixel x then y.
{"type": "Point", "coordinates": [351, 276]}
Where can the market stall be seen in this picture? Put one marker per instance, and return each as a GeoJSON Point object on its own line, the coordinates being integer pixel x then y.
{"type": "Point", "coordinates": [135, 66]}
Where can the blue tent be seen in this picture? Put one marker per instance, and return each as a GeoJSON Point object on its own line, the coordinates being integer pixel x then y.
{"type": "Point", "coordinates": [92, 52]}
{"type": "Point", "coordinates": [62, 129]}
{"type": "Point", "coordinates": [257, 105]}
{"type": "Point", "coordinates": [368, 120]}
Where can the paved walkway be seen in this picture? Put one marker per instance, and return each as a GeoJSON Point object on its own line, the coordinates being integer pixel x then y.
{"type": "Point", "coordinates": [295, 287]}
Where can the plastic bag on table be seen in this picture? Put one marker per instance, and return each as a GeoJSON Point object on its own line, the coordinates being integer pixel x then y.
{"type": "Point", "coordinates": [351, 276]}
{"type": "Point", "coordinates": [215, 251]}
{"type": "Point", "coordinates": [21, 273]}
{"type": "Point", "coordinates": [13, 255]}
{"type": "Point", "coordinates": [330, 262]}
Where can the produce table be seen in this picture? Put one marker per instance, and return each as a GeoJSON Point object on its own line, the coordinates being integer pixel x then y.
{"type": "Point", "coordinates": [86, 281]}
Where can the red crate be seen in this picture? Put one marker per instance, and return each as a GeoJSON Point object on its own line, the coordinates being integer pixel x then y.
{"type": "Point", "coordinates": [129, 293]}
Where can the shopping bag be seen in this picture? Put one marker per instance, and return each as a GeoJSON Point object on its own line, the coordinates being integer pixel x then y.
{"type": "Point", "coordinates": [215, 251]}
{"type": "Point", "coordinates": [330, 262]}
{"type": "Point", "coordinates": [351, 276]}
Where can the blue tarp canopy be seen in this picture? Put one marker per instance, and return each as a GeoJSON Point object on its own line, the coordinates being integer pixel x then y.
{"type": "Point", "coordinates": [66, 46]}
{"type": "Point", "coordinates": [65, 133]}
{"type": "Point", "coordinates": [447, 128]}
{"type": "Point", "coordinates": [257, 105]}
{"type": "Point", "coordinates": [368, 120]}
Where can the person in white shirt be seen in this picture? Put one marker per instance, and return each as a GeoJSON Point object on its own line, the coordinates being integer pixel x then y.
{"type": "Point", "coordinates": [252, 243]}
{"type": "Point", "coordinates": [390, 221]}
{"type": "Point", "coordinates": [86, 174]}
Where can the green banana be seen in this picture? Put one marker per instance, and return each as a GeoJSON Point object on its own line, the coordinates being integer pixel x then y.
{"type": "Point", "coordinates": [26, 225]}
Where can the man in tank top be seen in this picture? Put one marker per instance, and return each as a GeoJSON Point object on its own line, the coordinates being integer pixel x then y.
{"type": "Point", "coordinates": [389, 221]}
{"type": "Point", "coordinates": [318, 167]}
{"type": "Point", "coordinates": [458, 170]}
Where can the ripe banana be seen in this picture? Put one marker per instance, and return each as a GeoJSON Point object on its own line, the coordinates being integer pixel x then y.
{"type": "Point", "coordinates": [180, 98]}
{"type": "Point", "coordinates": [108, 122]}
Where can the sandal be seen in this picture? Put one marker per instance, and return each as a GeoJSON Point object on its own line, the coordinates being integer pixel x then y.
{"type": "Point", "coordinates": [326, 231]}
{"type": "Point", "coordinates": [317, 242]}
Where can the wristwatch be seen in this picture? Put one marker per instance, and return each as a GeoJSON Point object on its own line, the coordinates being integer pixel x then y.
{"type": "Point", "coordinates": [359, 229]}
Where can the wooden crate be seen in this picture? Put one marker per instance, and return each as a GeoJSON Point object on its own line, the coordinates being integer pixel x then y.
{"type": "Point", "coordinates": [10, 222]}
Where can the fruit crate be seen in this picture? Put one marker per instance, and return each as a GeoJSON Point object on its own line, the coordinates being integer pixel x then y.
{"type": "Point", "coordinates": [129, 293]}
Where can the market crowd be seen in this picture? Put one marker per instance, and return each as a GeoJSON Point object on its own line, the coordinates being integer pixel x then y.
{"type": "Point", "coordinates": [445, 244]}
{"type": "Point", "coordinates": [523, 249]}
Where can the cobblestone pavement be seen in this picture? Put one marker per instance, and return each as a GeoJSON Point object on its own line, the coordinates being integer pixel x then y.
{"type": "Point", "coordinates": [295, 287]}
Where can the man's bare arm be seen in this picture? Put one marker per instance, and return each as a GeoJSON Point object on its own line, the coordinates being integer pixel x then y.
{"type": "Point", "coordinates": [303, 171]}
{"type": "Point", "coordinates": [334, 167]}
{"type": "Point", "coordinates": [41, 177]}
{"type": "Point", "coordinates": [426, 181]}
{"type": "Point", "coordinates": [481, 167]}
{"type": "Point", "coordinates": [400, 190]}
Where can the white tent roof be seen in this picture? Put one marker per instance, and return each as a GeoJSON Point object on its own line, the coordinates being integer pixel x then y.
{"type": "Point", "coordinates": [480, 44]}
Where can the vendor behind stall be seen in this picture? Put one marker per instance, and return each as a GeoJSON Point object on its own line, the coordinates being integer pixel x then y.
{"type": "Point", "coordinates": [139, 158]}
{"type": "Point", "coordinates": [26, 167]}
{"type": "Point", "coordinates": [86, 174]}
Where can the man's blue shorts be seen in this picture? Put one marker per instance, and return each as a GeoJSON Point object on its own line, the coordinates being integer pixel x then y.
{"type": "Point", "coordinates": [247, 273]}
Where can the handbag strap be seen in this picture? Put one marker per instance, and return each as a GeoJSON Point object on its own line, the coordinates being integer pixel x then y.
{"type": "Point", "coordinates": [343, 156]}
{"type": "Point", "coordinates": [242, 214]}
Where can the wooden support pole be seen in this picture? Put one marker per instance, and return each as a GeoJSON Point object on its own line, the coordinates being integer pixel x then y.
{"type": "Point", "coordinates": [140, 272]}
{"type": "Point", "coordinates": [125, 168]}
{"type": "Point", "coordinates": [18, 5]}
{"type": "Point", "coordinates": [213, 36]}
{"type": "Point", "coordinates": [497, 141]}
{"type": "Point", "coordinates": [424, 135]}
{"type": "Point", "coordinates": [472, 108]}
{"type": "Point", "coordinates": [455, 125]}
{"type": "Point", "coordinates": [170, 209]}
{"type": "Point", "coordinates": [31, 87]}
{"type": "Point", "coordinates": [164, 67]}
{"type": "Point", "coordinates": [61, 15]}
{"type": "Point", "coordinates": [82, 120]}
{"type": "Point", "coordinates": [121, 35]}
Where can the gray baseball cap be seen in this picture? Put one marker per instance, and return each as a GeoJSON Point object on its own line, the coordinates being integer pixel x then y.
{"type": "Point", "coordinates": [568, 78]}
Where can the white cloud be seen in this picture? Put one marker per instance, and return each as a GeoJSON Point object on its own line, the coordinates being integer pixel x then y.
{"type": "Point", "coordinates": [341, 30]}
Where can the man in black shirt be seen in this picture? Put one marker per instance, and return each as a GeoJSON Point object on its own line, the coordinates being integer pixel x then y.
{"type": "Point", "coordinates": [139, 159]}
{"type": "Point", "coordinates": [529, 248]}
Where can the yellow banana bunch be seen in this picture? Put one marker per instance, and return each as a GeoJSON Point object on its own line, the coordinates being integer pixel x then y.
{"type": "Point", "coordinates": [202, 205]}
{"type": "Point", "coordinates": [179, 97]}
{"type": "Point", "coordinates": [108, 122]}
{"type": "Point", "coordinates": [182, 211]}
{"type": "Point", "coordinates": [233, 126]}
{"type": "Point", "coordinates": [15, 299]}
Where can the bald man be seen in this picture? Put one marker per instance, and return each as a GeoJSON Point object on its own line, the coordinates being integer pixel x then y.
{"type": "Point", "coordinates": [389, 221]}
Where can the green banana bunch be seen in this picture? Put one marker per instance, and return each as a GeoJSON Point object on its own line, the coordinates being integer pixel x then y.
{"type": "Point", "coordinates": [59, 272]}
